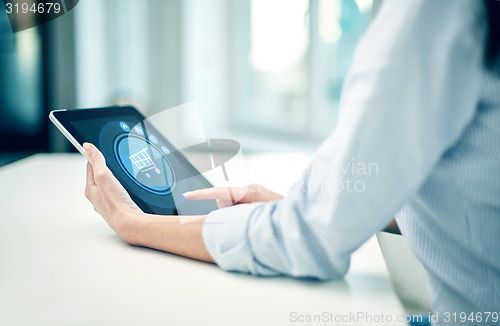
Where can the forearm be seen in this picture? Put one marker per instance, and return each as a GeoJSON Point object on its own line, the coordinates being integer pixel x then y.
{"type": "Point", "coordinates": [166, 233]}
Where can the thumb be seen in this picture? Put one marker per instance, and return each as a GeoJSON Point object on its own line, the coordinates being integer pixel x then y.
{"type": "Point", "coordinates": [97, 161]}
{"type": "Point", "coordinates": [95, 156]}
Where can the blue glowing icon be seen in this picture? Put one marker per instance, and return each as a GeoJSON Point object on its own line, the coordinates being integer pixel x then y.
{"type": "Point", "coordinates": [139, 130]}
{"type": "Point", "coordinates": [124, 126]}
{"type": "Point", "coordinates": [153, 139]}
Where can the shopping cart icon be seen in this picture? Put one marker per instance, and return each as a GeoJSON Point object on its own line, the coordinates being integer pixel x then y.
{"type": "Point", "coordinates": [143, 161]}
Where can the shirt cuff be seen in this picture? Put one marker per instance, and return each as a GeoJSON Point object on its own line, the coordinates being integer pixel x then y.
{"type": "Point", "coordinates": [225, 236]}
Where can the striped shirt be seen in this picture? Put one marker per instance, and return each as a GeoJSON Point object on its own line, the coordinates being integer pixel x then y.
{"type": "Point", "coordinates": [418, 138]}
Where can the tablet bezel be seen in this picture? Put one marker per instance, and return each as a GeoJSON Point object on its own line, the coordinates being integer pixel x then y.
{"type": "Point", "coordinates": [62, 120]}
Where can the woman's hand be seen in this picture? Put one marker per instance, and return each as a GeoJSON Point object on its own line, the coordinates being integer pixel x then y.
{"type": "Point", "coordinates": [229, 196]}
{"type": "Point", "coordinates": [108, 196]}
{"type": "Point", "coordinates": [111, 200]}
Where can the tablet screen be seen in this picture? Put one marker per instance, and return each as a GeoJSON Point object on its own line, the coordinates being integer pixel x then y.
{"type": "Point", "coordinates": [154, 173]}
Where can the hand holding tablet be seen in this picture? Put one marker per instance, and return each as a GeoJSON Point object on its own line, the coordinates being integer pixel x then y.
{"type": "Point", "coordinates": [153, 172]}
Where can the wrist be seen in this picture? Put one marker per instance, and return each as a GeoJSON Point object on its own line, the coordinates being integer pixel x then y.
{"type": "Point", "coordinates": [128, 225]}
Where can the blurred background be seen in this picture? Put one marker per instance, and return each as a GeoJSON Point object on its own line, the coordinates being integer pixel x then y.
{"type": "Point", "coordinates": [267, 73]}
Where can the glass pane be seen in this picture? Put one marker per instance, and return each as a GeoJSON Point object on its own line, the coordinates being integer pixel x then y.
{"type": "Point", "coordinates": [290, 61]}
{"type": "Point", "coordinates": [340, 25]}
{"type": "Point", "coordinates": [277, 58]}
{"type": "Point", "coordinates": [21, 89]}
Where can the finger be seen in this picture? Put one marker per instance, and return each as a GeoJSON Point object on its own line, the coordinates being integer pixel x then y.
{"type": "Point", "coordinates": [98, 162]}
{"type": "Point", "coordinates": [226, 203]}
{"type": "Point", "coordinates": [257, 193]}
{"type": "Point", "coordinates": [90, 175]}
{"type": "Point", "coordinates": [223, 193]}
{"type": "Point", "coordinates": [208, 193]}
{"type": "Point", "coordinates": [95, 156]}
{"type": "Point", "coordinates": [90, 183]}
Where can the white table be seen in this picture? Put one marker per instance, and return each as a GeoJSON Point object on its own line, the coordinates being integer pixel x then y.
{"type": "Point", "coordinates": [60, 264]}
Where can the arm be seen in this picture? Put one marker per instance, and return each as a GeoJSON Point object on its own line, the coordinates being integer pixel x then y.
{"type": "Point", "coordinates": [165, 233]}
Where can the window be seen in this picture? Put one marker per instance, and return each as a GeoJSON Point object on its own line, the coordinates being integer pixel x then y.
{"type": "Point", "coordinates": [262, 66]}
{"type": "Point", "coordinates": [23, 124]}
{"type": "Point", "coordinates": [129, 52]}
{"type": "Point", "coordinates": [289, 60]}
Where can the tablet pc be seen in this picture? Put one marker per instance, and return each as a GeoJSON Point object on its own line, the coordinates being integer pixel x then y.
{"type": "Point", "coordinates": [153, 172]}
